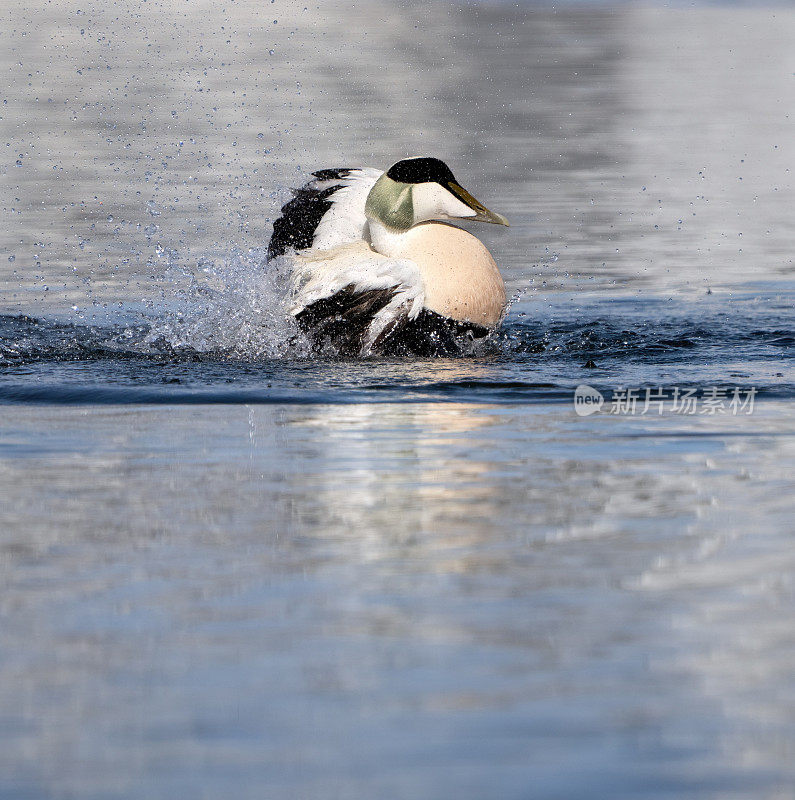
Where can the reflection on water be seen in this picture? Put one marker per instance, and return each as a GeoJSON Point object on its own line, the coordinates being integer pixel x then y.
{"type": "Point", "coordinates": [433, 480]}
{"type": "Point", "coordinates": [393, 600]}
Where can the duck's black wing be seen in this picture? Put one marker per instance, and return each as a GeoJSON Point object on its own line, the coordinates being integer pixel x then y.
{"type": "Point", "coordinates": [296, 227]}
{"type": "Point", "coordinates": [335, 198]}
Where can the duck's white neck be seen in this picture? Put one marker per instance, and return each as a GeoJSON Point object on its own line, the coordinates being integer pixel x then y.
{"type": "Point", "coordinates": [383, 240]}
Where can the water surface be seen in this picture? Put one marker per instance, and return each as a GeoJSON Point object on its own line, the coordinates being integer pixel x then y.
{"type": "Point", "coordinates": [232, 569]}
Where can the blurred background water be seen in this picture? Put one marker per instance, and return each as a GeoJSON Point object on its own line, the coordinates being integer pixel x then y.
{"type": "Point", "coordinates": [229, 569]}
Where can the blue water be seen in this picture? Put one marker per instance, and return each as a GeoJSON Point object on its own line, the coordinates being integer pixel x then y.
{"type": "Point", "coordinates": [232, 569]}
{"type": "Point", "coordinates": [540, 355]}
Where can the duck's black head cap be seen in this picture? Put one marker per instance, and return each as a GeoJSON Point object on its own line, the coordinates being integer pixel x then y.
{"type": "Point", "coordinates": [421, 170]}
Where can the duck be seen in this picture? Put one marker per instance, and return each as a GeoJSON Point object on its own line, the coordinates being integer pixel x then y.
{"type": "Point", "coordinates": [377, 267]}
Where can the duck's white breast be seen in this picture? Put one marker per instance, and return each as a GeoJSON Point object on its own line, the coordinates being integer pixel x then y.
{"type": "Point", "coordinates": [461, 279]}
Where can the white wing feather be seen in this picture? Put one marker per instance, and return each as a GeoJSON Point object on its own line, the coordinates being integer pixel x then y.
{"type": "Point", "coordinates": [322, 274]}
{"type": "Point", "coordinates": [345, 221]}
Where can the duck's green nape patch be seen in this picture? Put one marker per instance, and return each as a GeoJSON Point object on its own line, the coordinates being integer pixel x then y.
{"type": "Point", "coordinates": [391, 203]}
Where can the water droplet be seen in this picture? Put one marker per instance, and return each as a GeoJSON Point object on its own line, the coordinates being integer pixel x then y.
{"type": "Point", "coordinates": [12, 258]}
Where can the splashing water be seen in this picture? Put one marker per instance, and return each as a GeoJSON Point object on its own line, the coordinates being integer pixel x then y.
{"type": "Point", "coordinates": [236, 308]}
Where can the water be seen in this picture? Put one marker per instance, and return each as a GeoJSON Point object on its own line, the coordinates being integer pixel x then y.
{"type": "Point", "coordinates": [607, 342]}
{"type": "Point", "coordinates": [232, 569]}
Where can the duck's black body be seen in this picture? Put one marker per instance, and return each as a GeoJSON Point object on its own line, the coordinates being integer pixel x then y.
{"type": "Point", "coordinates": [339, 324]}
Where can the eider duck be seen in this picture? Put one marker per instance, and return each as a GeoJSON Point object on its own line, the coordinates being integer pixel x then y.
{"type": "Point", "coordinates": [376, 269]}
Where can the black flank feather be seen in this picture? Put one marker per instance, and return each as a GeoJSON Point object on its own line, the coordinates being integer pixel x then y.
{"type": "Point", "coordinates": [340, 323]}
